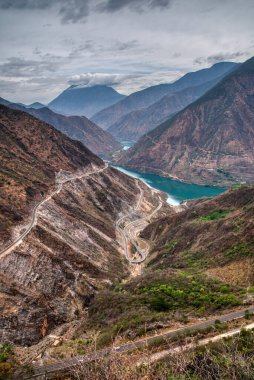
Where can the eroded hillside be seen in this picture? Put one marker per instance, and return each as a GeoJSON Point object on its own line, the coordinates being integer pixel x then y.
{"type": "Point", "coordinates": [73, 249]}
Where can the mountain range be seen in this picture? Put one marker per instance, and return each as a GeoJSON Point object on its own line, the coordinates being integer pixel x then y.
{"type": "Point", "coordinates": [90, 256]}
{"type": "Point", "coordinates": [210, 141]}
{"type": "Point", "coordinates": [113, 116]}
{"type": "Point", "coordinates": [85, 101]}
{"type": "Point", "coordinates": [78, 128]}
{"type": "Point", "coordinates": [137, 123]}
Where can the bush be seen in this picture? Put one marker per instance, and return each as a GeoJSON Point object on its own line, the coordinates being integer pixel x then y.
{"type": "Point", "coordinates": [159, 304]}
{"type": "Point", "coordinates": [214, 215]}
{"type": "Point", "coordinates": [5, 352]}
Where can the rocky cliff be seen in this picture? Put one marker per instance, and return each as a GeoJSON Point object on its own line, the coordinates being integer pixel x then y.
{"type": "Point", "coordinates": [210, 141]}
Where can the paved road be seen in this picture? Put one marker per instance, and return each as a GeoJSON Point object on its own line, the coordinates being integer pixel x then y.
{"type": "Point", "coordinates": [67, 364]}
{"type": "Point", "coordinates": [14, 244]}
{"type": "Point", "coordinates": [180, 349]}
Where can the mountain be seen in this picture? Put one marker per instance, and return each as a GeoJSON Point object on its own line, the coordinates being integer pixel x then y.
{"type": "Point", "coordinates": [199, 262]}
{"type": "Point", "coordinates": [210, 141]}
{"type": "Point", "coordinates": [78, 128]}
{"type": "Point", "coordinates": [85, 101]}
{"type": "Point", "coordinates": [35, 105]}
{"type": "Point", "coordinates": [137, 123]}
{"type": "Point", "coordinates": [82, 129]}
{"type": "Point", "coordinates": [50, 275]}
{"type": "Point", "coordinates": [31, 153]}
{"type": "Point", "coordinates": [4, 102]}
{"type": "Point", "coordinates": [144, 98]}
{"type": "Point", "coordinates": [190, 239]}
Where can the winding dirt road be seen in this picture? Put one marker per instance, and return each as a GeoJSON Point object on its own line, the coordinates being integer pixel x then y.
{"type": "Point", "coordinates": [7, 250]}
{"type": "Point", "coordinates": [131, 230]}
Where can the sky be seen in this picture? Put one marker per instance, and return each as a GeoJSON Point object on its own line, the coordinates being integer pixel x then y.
{"type": "Point", "coordinates": [48, 45]}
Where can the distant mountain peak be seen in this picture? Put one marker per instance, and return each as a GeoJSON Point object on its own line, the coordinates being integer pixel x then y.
{"type": "Point", "coordinates": [85, 100]}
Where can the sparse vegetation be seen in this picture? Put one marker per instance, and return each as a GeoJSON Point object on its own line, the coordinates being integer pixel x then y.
{"type": "Point", "coordinates": [6, 365]}
{"type": "Point", "coordinates": [231, 358]}
{"type": "Point", "coordinates": [158, 297]}
{"type": "Point", "coordinates": [214, 215]}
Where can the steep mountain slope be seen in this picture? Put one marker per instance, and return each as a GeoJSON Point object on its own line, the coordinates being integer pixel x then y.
{"type": "Point", "coordinates": [210, 141]}
{"type": "Point", "coordinates": [137, 123]}
{"type": "Point", "coordinates": [31, 153]}
{"type": "Point", "coordinates": [150, 95]}
{"type": "Point", "coordinates": [85, 101]}
{"type": "Point", "coordinates": [190, 239]}
{"type": "Point", "coordinates": [73, 248]}
{"type": "Point", "coordinates": [200, 261]}
{"type": "Point", "coordinates": [78, 128]}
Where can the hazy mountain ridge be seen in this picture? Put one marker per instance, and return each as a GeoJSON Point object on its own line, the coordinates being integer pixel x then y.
{"type": "Point", "coordinates": [85, 101]}
{"type": "Point", "coordinates": [78, 128]}
{"type": "Point", "coordinates": [137, 123]}
{"type": "Point", "coordinates": [148, 96]}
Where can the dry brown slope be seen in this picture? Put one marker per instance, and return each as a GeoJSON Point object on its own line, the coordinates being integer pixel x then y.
{"type": "Point", "coordinates": [73, 250]}
{"type": "Point", "coordinates": [213, 235]}
{"type": "Point", "coordinates": [209, 142]}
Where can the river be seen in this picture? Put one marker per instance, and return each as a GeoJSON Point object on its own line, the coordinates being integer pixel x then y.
{"type": "Point", "coordinates": [177, 191]}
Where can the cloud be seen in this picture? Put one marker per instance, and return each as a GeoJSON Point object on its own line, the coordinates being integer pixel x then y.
{"type": "Point", "coordinates": [76, 11]}
{"type": "Point", "coordinates": [220, 57]}
{"type": "Point", "coordinates": [18, 67]}
{"type": "Point", "coordinates": [93, 79]}
{"type": "Point", "coordinates": [25, 4]}
{"type": "Point", "coordinates": [136, 5]}
{"type": "Point", "coordinates": [125, 83]}
{"type": "Point", "coordinates": [70, 11]}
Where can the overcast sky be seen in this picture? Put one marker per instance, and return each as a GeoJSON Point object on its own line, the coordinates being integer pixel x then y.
{"type": "Point", "coordinates": [46, 45]}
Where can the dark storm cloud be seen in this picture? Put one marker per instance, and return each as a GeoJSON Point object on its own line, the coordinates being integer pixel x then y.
{"type": "Point", "coordinates": [74, 11]}
{"type": "Point", "coordinates": [139, 5]}
{"type": "Point", "coordinates": [25, 4]}
{"type": "Point", "coordinates": [70, 11]}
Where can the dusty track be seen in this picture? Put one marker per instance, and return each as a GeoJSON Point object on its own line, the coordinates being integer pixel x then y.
{"type": "Point", "coordinates": [7, 250]}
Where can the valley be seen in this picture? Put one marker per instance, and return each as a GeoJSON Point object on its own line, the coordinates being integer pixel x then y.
{"type": "Point", "coordinates": [141, 254]}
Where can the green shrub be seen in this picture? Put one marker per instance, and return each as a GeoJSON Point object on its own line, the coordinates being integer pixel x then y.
{"type": "Point", "coordinates": [5, 352]}
{"type": "Point", "coordinates": [159, 304]}
{"type": "Point", "coordinates": [214, 215]}
{"type": "Point", "coordinates": [238, 250]}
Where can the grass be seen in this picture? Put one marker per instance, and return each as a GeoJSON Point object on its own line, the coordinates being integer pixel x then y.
{"type": "Point", "coordinates": [238, 250]}
{"type": "Point", "coordinates": [214, 215]}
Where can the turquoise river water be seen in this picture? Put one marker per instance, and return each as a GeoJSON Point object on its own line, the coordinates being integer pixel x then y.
{"type": "Point", "coordinates": [176, 191]}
